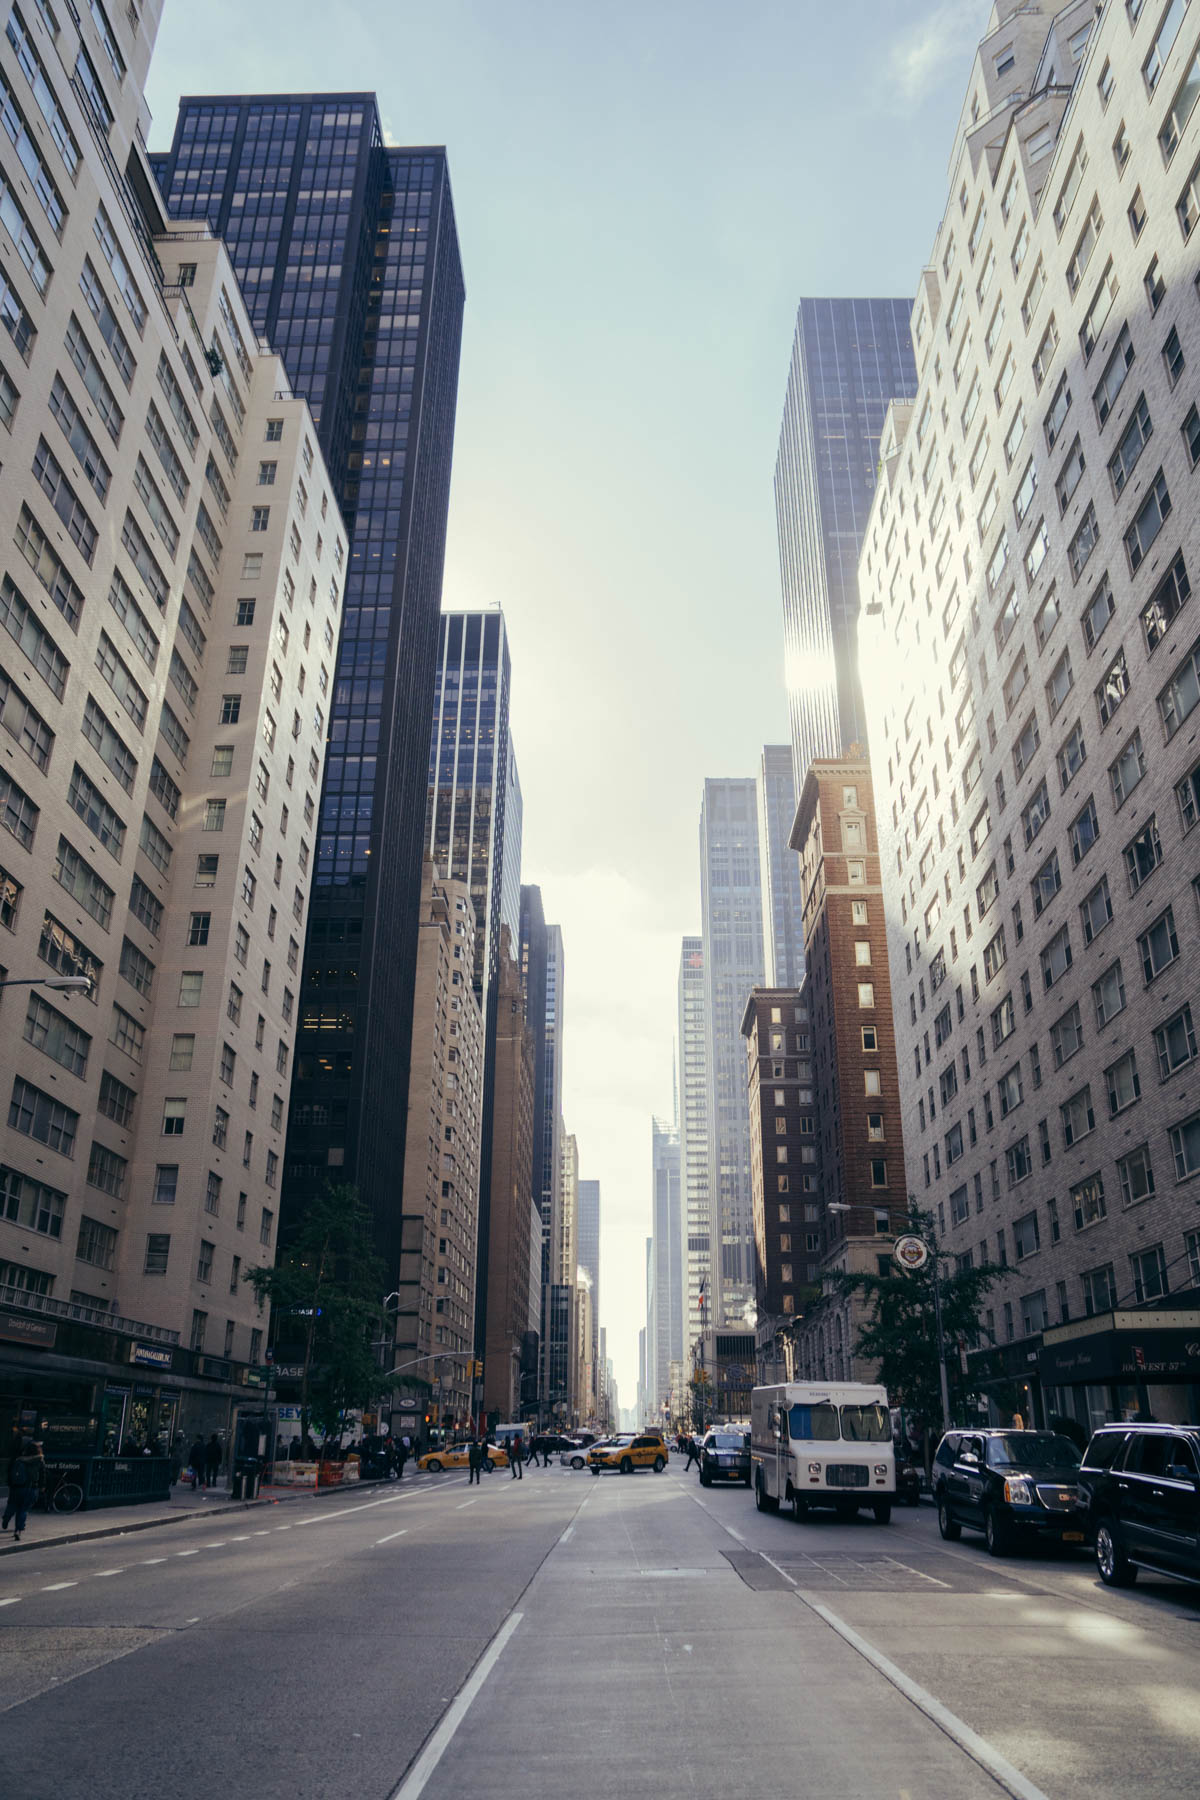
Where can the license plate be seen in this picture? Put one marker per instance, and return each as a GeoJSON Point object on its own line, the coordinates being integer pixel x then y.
{"type": "Point", "coordinates": [1072, 1537]}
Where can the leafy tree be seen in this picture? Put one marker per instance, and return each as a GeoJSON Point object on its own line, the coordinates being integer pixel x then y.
{"type": "Point", "coordinates": [329, 1280]}
{"type": "Point", "coordinates": [900, 1329]}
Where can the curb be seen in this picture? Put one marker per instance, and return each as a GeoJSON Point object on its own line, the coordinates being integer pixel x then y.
{"type": "Point", "coordinates": [180, 1518]}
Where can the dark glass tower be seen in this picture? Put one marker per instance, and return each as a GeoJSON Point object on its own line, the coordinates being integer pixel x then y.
{"type": "Point", "coordinates": [473, 833]}
{"type": "Point", "coordinates": [850, 358]}
{"type": "Point", "coordinates": [348, 257]}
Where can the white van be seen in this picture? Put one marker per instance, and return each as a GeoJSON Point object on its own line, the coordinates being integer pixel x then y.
{"type": "Point", "coordinates": [822, 1444]}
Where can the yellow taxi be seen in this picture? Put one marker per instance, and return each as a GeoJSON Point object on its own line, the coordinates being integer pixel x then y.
{"type": "Point", "coordinates": [648, 1450]}
{"type": "Point", "coordinates": [457, 1456]}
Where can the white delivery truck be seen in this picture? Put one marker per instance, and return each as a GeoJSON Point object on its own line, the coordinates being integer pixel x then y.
{"type": "Point", "coordinates": [822, 1443]}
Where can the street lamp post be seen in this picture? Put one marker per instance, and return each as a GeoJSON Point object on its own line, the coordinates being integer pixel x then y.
{"type": "Point", "coordinates": [59, 984]}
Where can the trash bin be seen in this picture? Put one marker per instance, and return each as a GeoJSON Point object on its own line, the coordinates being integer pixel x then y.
{"type": "Point", "coordinates": [246, 1479]}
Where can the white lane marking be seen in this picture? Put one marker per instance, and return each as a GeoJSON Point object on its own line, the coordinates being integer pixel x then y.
{"type": "Point", "coordinates": [474, 1502]}
{"type": "Point", "coordinates": [55, 1586]}
{"type": "Point", "coordinates": [566, 1534]}
{"type": "Point", "coordinates": [976, 1747]}
{"type": "Point", "coordinates": [415, 1781]}
{"type": "Point", "coordinates": [283, 1528]}
{"type": "Point", "coordinates": [219, 1545]}
{"type": "Point", "coordinates": [195, 1552]}
{"type": "Point", "coordinates": [11, 1601]}
{"type": "Point", "coordinates": [735, 1534]}
{"type": "Point", "coordinates": [101, 1574]}
{"type": "Point", "coordinates": [391, 1536]}
{"type": "Point", "coordinates": [342, 1511]}
{"type": "Point", "coordinates": [262, 1534]}
{"type": "Point", "coordinates": [146, 1561]}
{"type": "Point", "coordinates": [244, 1539]}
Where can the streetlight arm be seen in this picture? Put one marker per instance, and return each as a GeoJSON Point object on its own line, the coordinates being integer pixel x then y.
{"type": "Point", "coordinates": [60, 984]}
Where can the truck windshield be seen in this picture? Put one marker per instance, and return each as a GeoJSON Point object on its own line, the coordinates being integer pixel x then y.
{"type": "Point", "coordinates": [816, 1422]}
{"type": "Point", "coordinates": [867, 1424]}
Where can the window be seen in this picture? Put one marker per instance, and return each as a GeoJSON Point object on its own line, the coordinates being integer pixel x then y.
{"type": "Point", "coordinates": [1172, 355]}
{"type": "Point", "coordinates": [1036, 813]}
{"type": "Point", "coordinates": [1159, 946]}
{"type": "Point", "coordinates": [1185, 1147]}
{"type": "Point", "coordinates": [1062, 680]}
{"type": "Point", "coordinates": [1018, 1162]}
{"type": "Point", "coordinates": [1072, 756]}
{"type": "Point", "coordinates": [1056, 957]}
{"type": "Point", "coordinates": [1155, 285]}
{"type": "Point", "coordinates": [191, 983]}
{"type": "Point", "coordinates": [1113, 379]}
{"type": "Point", "coordinates": [1148, 521]}
{"type": "Point", "coordinates": [1003, 1021]}
{"type": "Point", "coordinates": [1009, 1091]}
{"type": "Point", "coordinates": [1136, 1174]}
{"type": "Point", "coordinates": [1130, 445]}
{"type": "Point", "coordinates": [1026, 1237]}
{"type": "Point", "coordinates": [1123, 1083]}
{"type": "Point", "coordinates": [1135, 212]}
{"type": "Point", "coordinates": [1044, 886]}
{"type": "Point", "coordinates": [1095, 910]}
{"type": "Point", "coordinates": [81, 881]}
{"type": "Point", "coordinates": [1099, 1290]}
{"type": "Point", "coordinates": [1113, 688]}
{"type": "Point", "coordinates": [1066, 1036]}
{"type": "Point", "coordinates": [1182, 693]}
{"type": "Point", "coordinates": [1127, 771]}
{"type": "Point", "coordinates": [266, 1226]}
{"type": "Point", "coordinates": [1086, 537]}
{"type": "Point", "coordinates": [1165, 604]}
{"type": "Point", "coordinates": [1087, 1202]}
{"type": "Point", "coordinates": [1096, 316]}
{"type": "Point", "coordinates": [1108, 994]}
{"type": "Point", "coordinates": [1175, 1043]}
{"type": "Point", "coordinates": [231, 708]}
{"type": "Point", "coordinates": [40, 1116]}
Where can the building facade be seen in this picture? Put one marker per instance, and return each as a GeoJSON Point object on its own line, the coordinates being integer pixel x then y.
{"type": "Point", "coordinates": [783, 1156]}
{"type": "Point", "coordinates": [850, 359]}
{"type": "Point", "coordinates": [1034, 744]}
{"type": "Point", "coordinates": [165, 679]}
{"type": "Point", "coordinates": [562, 1328]}
{"type": "Point", "coordinates": [511, 1188]}
{"type": "Point", "coordinates": [589, 1254]}
{"type": "Point", "coordinates": [779, 871]}
{"type": "Point", "coordinates": [732, 928]}
{"type": "Point", "coordinates": [852, 1182]}
{"type": "Point", "coordinates": [435, 1310]}
{"type": "Point", "coordinates": [698, 1286]}
{"type": "Point", "coordinates": [665, 1277]}
{"type": "Point", "coordinates": [349, 256]}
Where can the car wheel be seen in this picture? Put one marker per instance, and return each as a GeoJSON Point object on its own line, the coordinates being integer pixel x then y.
{"type": "Point", "coordinates": [1115, 1568]}
{"type": "Point", "coordinates": [659, 1465]}
{"type": "Point", "coordinates": [883, 1512]}
{"type": "Point", "coordinates": [949, 1527]}
{"type": "Point", "coordinates": [705, 1480]}
{"type": "Point", "coordinates": [997, 1534]}
{"type": "Point", "coordinates": [627, 1465]}
{"type": "Point", "coordinates": [577, 1462]}
{"type": "Point", "coordinates": [434, 1464]}
{"type": "Point", "coordinates": [595, 1472]}
{"type": "Point", "coordinates": [799, 1508]}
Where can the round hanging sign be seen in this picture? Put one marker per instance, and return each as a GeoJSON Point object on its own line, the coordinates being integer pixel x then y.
{"type": "Point", "coordinates": [911, 1252]}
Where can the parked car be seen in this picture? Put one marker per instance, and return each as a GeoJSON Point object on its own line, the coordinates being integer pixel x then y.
{"type": "Point", "coordinates": [1011, 1485]}
{"type": "Point", "coordinates": [725, 1456]}
{"type": "Point", "coordinates": [1143, 1489]}
{"type": "Point", "coordinates": [645, 1451]}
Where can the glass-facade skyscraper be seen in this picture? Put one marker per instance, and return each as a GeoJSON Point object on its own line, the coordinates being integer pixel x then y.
{"type": "Point", "coordinates": [732, 927]}
{"type": "Point", "coordinates": [473, 834]}
{"type": "Point", "coordinates": [348, 256]}
{"type": "Point", "coordinates": [779, 868]}
{"type": "Point", "coordinates": [850, 359]}
{"type": "Point", "coordinates": [699, 1292]}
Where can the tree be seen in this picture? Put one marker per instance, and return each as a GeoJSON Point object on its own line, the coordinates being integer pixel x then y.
{"type": "Point", "coordinates": [328, 1279]}
{"type": "Point", "coordinates": [900, 1330]}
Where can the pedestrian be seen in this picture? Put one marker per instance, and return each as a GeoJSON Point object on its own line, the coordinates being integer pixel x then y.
{"type": "Point", "coordinates": [212, 1460]}
{"type": "Point", "coordinates": [196, 1457]}
{"type": "Point", "coordinates": [24, 1471]}
{"type": "Point", "coordinates": [401, 1458]}
{"type": "Point", "coordinates": [693, 1452]}
{"type": "Point", "coordinates": [516, 1458]}
{"type": "Point", "coordinates": [476, 1451]}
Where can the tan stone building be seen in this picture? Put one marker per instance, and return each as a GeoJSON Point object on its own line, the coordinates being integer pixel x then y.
{"type": "Point", "coordinates": [859, 1202]}
{"type": "Point", "coordinates": [170, 585]}
{"type": "Point", "coordinates": [510, 1251]}
{"type": "Point", "coordinates": [436, 1295]}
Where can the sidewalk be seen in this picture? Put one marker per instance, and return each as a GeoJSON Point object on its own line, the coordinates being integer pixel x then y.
{"type": "Point", "coordinates": [45, 1529]}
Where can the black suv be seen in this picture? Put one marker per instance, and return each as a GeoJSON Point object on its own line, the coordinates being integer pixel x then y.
{"type": "Point", "coordinates": [1009, 1485]}
{"type": "Point", "coordinates": [1143, 1483]}
{"type": "Point", "coordinates": [725, 1456]}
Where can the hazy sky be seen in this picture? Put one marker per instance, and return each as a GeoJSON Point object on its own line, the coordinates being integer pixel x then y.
{"type": "Point", "coordinates": [644, 189]}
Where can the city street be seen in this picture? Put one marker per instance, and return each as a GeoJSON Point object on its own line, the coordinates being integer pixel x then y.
{"type": "Point", "coordinates": [564, 1634]}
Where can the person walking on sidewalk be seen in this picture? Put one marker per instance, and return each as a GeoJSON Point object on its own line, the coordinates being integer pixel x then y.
{"type": "Point", "coordinates": [212, 1460]}
{"type": "Point", "coordinates": [25, 1472]}
{"type": "Point", "coordinates": [196, 1461]}
{"type": "Point", "coordinates": [476, 1451]}
{"type": "Point", "coordinates": [516, 1458]}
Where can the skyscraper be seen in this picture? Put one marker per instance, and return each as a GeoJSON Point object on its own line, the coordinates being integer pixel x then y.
{"type": "Point", "coordinates": [348, 254]}
{"type": "Point", "coordinates": [665, 1343]}
{"type": "Point", "coordinates": [850, 358]}
{"type": "Point", "coordinates": [474, 835]}
{"type": "Point", "coordinates": [589, 1253]}
{"type": "Point", "coordinates": [732, 918]}
{"type": "Point", "coordinates": [693, 1143]}
{"type": "Point", "coordinates": [779, 868]}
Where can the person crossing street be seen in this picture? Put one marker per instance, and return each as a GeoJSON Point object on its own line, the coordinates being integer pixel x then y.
{"type": "Point", "coordinates": [516, 1458]}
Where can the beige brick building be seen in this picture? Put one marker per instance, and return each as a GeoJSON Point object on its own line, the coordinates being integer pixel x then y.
{"type": "Point", "coordinates": [439, 1227]}
{"type": "Point", "coordinates": [510, 1252]}
{"type": "Point", "coordinates": [1033, 671]}
{"type": "Point", "coordinates": [170, 578]}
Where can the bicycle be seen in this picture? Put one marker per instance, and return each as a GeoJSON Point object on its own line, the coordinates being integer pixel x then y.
{"type": "Point", "coordinates": [61, 1494]}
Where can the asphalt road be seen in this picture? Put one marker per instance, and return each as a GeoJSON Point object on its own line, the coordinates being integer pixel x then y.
{"type": "Point", "coordinates": [566, 1635]}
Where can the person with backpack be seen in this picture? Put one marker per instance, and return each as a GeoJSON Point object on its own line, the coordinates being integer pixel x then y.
{"type": "Point", "coordinates": [25, 1472]}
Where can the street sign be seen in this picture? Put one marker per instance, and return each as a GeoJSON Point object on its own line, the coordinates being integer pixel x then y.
{"type": "Point", "coordinates": [911, 1252]}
